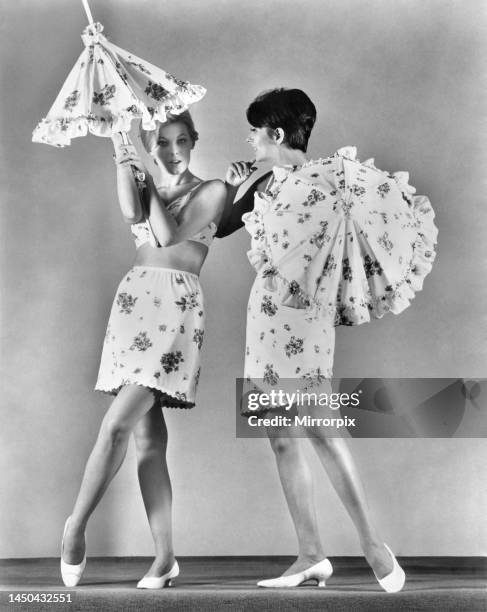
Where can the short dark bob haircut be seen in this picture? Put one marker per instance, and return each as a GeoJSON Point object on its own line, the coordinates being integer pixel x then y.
{"type": "Point", "coordinates": [149, 138]}
{"type": "Point", "coordinates": [289, 109]}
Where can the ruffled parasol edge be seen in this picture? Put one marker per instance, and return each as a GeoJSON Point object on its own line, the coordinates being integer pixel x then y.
{"type": "Point", "coordinates": [59, 132]}
{"type": "Point", "coordinates": [395, 298]}
{"type": "Point", "coordinates": [400, 296]}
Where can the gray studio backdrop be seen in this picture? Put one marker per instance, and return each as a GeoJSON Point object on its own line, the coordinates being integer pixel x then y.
{"type": "Point", "coordinates": [400, 80]}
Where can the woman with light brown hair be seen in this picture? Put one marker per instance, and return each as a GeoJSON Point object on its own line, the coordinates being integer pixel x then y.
{"type": "Point", "coordinates": [151, 353]}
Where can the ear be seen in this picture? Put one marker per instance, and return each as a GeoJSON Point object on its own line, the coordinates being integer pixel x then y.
{"type": "Point", "coordinates": [279, 135]}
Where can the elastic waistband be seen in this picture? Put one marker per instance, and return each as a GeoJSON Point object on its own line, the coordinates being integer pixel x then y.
{"type": "Point", "coordinates": [161, 269]}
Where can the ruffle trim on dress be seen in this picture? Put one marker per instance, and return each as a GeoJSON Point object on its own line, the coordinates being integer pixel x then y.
{"type": "Point", "coordinates": [166, 398]}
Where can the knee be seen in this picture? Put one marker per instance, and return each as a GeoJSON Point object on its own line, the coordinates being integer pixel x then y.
{"type": "Point", "coordinates": [114, 432]}
{"type": "Point", "coordinates": [282, 446]}
{"type": "Point", "coordinates": [148, 442]}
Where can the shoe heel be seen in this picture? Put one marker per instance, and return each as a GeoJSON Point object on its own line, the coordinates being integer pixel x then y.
{"type": "Point", "coordinates": [321, 583]}
{"type": "Point", "coordinates": [168, 583]}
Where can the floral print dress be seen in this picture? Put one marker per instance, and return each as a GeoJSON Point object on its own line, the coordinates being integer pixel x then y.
{"type": "Point", "coordinates": [155, 335]}
{"type": "Point", "coordinates": [334, 242]}
{"type": "Point", "coordinates": [156, 328]}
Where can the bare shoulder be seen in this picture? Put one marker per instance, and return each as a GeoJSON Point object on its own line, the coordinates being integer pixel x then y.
{"type": "Point", "coordinates": [213, 191]}
{"type": "Point", "coordinates": [214, 187]}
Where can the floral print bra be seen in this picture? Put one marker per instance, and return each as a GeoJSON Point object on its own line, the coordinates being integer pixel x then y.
{"type": "Point", "coordinates": [142, 232]}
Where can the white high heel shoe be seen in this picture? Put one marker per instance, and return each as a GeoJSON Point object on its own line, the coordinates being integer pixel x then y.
{"type": "Point", "coordinates": [393, 582]}
{"type": "Point", "coordinates": [71, 574]}
{"type": "Point", "coordinates": [153, 582]}
{"type": "Point", "coordinates": [320, 572]}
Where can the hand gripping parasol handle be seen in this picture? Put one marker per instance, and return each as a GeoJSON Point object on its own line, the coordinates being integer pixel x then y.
{"type": "Point", "coordinates": [88, 11]}
{"type": "Point", "coordinates": [140, 181]}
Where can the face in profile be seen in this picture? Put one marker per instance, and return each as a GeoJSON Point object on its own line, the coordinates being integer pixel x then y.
{"type": "Point", "coordinates": [173, 147]}
{"type": "Point", "coordinates": [264, 146]}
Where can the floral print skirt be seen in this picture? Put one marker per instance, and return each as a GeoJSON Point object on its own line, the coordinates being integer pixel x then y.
{"type": "Point", "coordinates": [154, 335]}
{"type": "Point", "coordinates": [286, 348]}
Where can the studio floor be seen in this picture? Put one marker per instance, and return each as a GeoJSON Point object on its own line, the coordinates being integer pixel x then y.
{"type": "Point", "coordinates": [229, 583]}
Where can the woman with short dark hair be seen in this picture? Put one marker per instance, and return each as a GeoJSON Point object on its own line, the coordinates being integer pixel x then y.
{"type": "Point", "coordinates": [334, 242]}
{"type": "Point", "coordinates": [151, 353]}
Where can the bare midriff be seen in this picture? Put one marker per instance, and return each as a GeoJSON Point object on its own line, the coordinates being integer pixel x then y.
{"type": "Point", "coordinates": [187, 256]}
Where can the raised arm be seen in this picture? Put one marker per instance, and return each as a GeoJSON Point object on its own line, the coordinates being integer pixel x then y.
{"type": "Point", "coordinates": [129, 187]}
{"type": "Point", "coordinates": [206, 205]}
{"type": "Point", "coordinates": [231, 219]}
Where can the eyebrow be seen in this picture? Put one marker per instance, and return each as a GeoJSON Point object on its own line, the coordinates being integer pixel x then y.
{"type": "Point", "coordinates": [181, 134]}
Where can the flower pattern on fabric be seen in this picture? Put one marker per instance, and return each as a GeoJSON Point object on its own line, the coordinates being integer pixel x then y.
{"type": "Point", "coordinates": [175, 80]}
{"type": "Point", "coordinates": [126, 302]}
{"type": "Point", "coordinates": [337, 249]}
{"type": "Point", "coordinates": [268, 307]}
{"type": "Point", "coordinates": [141, 342]}
{"type": "Point", "coordinates": [345, 242]}
{"type": "Point", "coordinates": [385, 242]}
{"type": "Point", "coordinates": [163, 357]}
{"type": "Point", "coordinates": [294, 346]}
{"type": "Point", "coordinates": [105, 95]}
{"type": "Point", "coordinates": [170, 361]}
{"type": "Point", "coordinates": [141, 67]}
{"type": "Point", "coordinates": [329, 267]}
{"type": "Point", "coordinates": [198, 337]}
{"type": "Point", "coordinates": [372, 267]}
{"type": "Point", "coordinates": [315, 378]}
{"type": "Point", "coordinates": [72, 100]}
{"type": "Point", "coordinates": [188, 302]}
{"type": "Point", "coordinates": [156, 91]}
{"type": "Point", "coordinates": [279, 348]}
{"type": "Point", "coordinates": [314, 197]}
{"type": "Point", "coordinates": [270, 376]}
{"type": "Point", "coordinates": [347, 270]}
{"type": "Point", "coordinates": [383, 189]}
{"type": "Point", "coordinates": [126, 94]}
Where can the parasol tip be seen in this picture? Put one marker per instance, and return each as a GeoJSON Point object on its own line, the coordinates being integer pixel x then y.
{"type": "Point", "coordinates": [92, 33]}
{"type": "Point", "coordinates": [86, 6]}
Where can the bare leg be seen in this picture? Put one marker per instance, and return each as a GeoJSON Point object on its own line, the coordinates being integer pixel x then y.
{"type": "Point", "coordinates": [105, 460]}
{"type": "Point", "coordinates": [297, 484]}
{"type": "Point", "coordinates": [339, 464]}
{"type": "Point", "coordinates": [151, 442]}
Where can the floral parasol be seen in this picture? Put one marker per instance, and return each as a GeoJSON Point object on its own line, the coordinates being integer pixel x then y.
{"type": "Point", "coordinates": [107, 88]}
{"type": "Point", "coordinates": [348, 240]}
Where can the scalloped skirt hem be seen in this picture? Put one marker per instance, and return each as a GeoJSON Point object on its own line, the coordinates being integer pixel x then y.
{"type": "Point", "coordinates": [166, 398]}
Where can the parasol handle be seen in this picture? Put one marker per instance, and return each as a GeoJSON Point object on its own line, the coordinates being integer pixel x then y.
{"type": "Point", "coordinates": [88, 11]}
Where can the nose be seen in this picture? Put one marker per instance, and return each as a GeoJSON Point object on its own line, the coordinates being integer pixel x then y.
{"type": "Point", "coordinates": [249, 139]}
{"type": "Point", "coordinates": [174, 149]}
